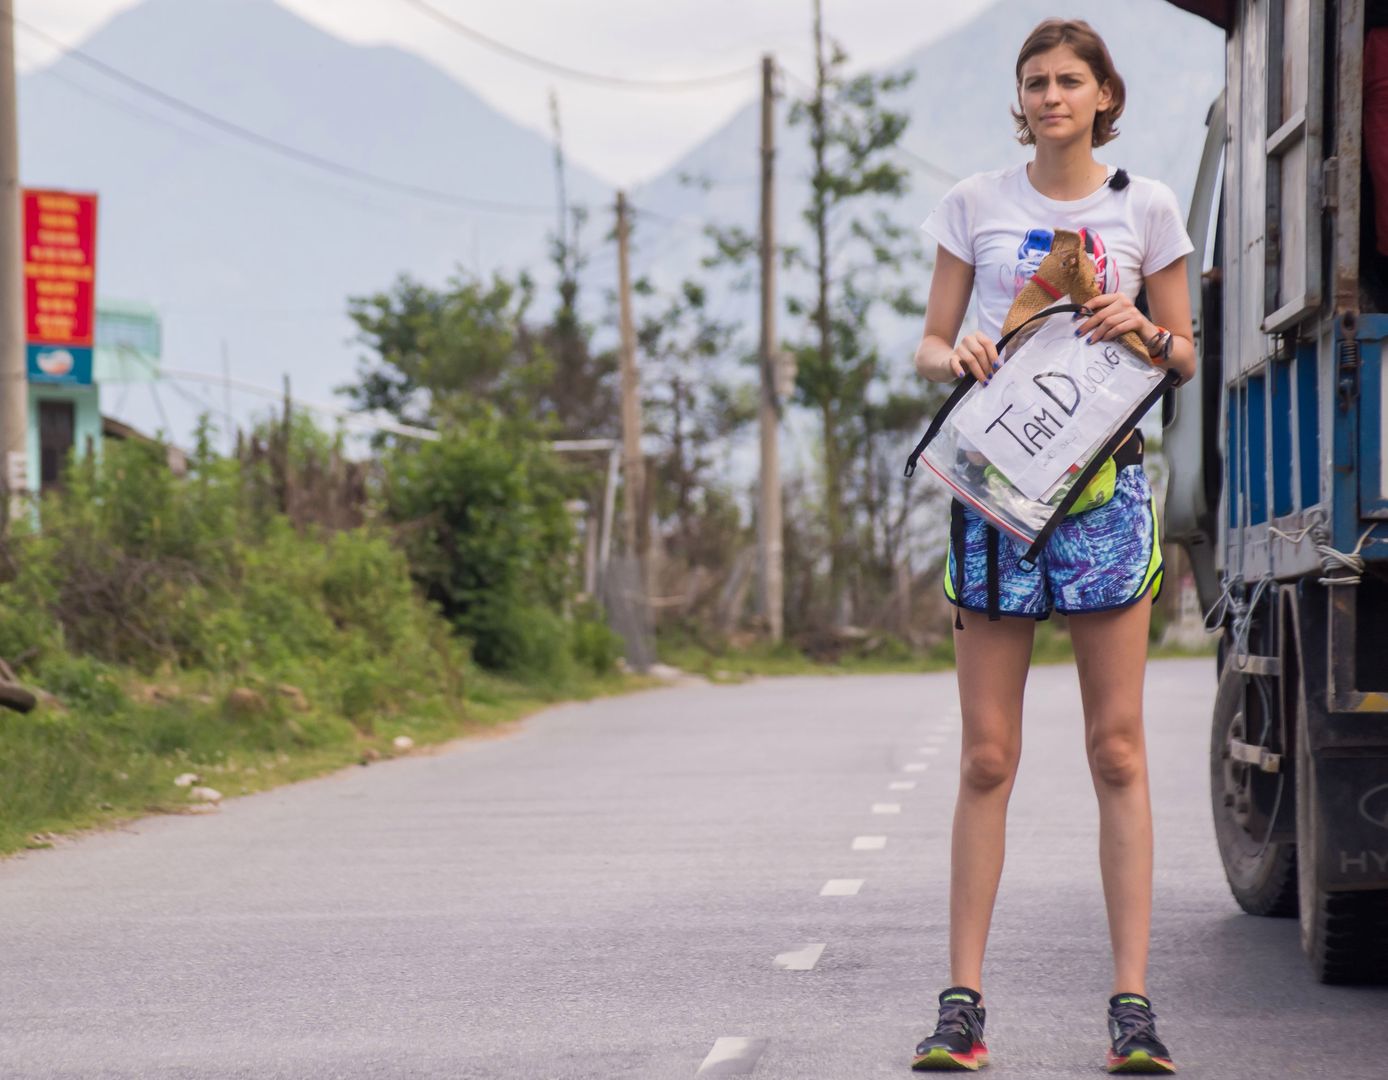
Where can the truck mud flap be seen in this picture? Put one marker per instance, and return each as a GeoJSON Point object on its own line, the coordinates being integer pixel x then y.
{"type": "Point", "coordinates": [1352, 826]}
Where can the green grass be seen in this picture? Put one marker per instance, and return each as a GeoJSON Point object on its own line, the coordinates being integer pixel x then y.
{"type": "Point", "coordinates": [108, 749]}
{"type": "Point", "coordinates": [721, 661]}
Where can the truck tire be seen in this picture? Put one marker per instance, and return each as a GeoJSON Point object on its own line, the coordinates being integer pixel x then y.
{"type": "Point", "coordinates": [1343, 934]}
{"type": "Point", "coordinates": [1262, 873]}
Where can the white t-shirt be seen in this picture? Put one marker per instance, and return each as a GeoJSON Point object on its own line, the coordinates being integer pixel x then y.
{"type": "Point", "coordinates": [1003, 227]}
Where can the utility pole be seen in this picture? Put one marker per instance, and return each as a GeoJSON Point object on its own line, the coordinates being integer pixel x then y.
{"type": "Point", "coordinates": [633, 466]}
{"type": "Point", "coordinates": [769, 533]}
{"type": "Point", "coordinates": [226, 400]}
{"type": "Point", "coordinates": [639, 630]}
{"type": "Point", "coordinates": [14, 379]}
{"type": "Point", "coordinates": [833, 464]}
{"type": "Point", "coordinates": [562, 236]}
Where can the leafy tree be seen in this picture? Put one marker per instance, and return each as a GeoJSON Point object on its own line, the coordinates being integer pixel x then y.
{"type": "Point", "coordinates": [448, 352]}
{"type": "Point", "coordinates": [856, 263]}
{"type": "Point", "coordinates": [483, 509]}
{"type": "Point", "coordinates": [582, 395]}
{"type": "Point", "coordinates": [471, 347]}
{"type": "Point", "coordinates": [692, 410]}
{"type": "Point", "coordinates": [841, 289]}
{"type": "Point", "coordinates": [483, 518]}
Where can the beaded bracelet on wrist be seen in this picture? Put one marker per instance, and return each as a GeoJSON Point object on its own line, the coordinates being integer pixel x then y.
{"type": "Point", "coordinates": [1159, 344]}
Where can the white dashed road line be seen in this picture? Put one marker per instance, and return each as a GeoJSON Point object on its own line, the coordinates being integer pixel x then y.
{"type": "Point", "coordinates": [737, 1055]}
{"type": "Point", "coordinates": [733, 1055]}
{"type": "Point", "coordinates": [803, 959]}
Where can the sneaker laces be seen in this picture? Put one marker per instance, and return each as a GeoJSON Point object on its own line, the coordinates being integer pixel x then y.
{"type": "Point", "coordinates": [957, 1020]}
{"type": "Point", "coordinates": [1134, 1021]}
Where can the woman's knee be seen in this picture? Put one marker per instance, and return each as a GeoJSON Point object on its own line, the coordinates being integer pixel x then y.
{"type": "Point", "coordinates": [989, 765]}
{"type": "Point", "coordinates": [1117, 759]}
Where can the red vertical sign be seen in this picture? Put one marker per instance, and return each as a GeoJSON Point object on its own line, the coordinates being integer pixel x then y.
{"type": "Point", "coordinates": [59, 267]}
{"type": "Point", "coordinates": [59, 283]}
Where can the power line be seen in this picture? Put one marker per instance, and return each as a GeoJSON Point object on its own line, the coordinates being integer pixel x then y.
{"type": "Point", "coordinates": [925, 163]}
{"type": "Point", "coordinates": [264, 141]}
{"type": "Point", "coordinates": [345, 416]}
{"type": "Point", "coordinates": [295, 153]}
{"type": "Point", "coordinates": [666, 219]}
{"type": "Point", "coordinates": [149, 116]}
{"type": "Point", "coordinates": [199, 403]}
{"type": "Point", "coordinates": [703, 183]}
{"type": "Point", "coordinates": [595, 78]}
{"type": "Point", "coordinates": [285, 149]}
{"type": "Point", "coordinates": [118, 103]}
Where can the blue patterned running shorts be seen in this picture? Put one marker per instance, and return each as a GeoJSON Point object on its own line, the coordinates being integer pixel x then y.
{"type": "Point", "coordinates": [1103, 558]}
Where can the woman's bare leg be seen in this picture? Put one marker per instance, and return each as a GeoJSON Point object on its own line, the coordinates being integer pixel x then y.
{"type": "Point", "coordinates": [992, 660]}
{"type": "Point", "coordinates": [1111, 654]}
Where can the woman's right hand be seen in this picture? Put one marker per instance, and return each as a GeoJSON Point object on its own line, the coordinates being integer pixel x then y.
{"type": "Point", "coordinates": [975, 355]}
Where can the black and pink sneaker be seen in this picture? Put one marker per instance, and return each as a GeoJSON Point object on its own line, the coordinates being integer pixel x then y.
{"type": "Point", "coordinates": [958, 1039]}
{"type": "Point", "coordinates": [1132, 1027]}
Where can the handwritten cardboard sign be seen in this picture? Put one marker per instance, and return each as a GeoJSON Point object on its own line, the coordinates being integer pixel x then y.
{"type": "Point", "coordinates": [1051, 404]}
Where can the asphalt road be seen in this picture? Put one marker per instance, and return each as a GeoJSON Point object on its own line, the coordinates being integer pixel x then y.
{"type": "Point", "coordinates": [671, 884]}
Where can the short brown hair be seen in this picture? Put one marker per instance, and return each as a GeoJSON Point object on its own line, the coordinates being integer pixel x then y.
{"type": "Point", "coordinates": [1090, 48]}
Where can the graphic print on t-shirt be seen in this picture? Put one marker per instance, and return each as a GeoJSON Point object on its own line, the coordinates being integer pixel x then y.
{"type": "Point", "coordinates": [1036, 245]}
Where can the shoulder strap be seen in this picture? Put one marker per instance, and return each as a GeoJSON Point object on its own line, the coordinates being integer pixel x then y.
{"type": "Point", "coordinates": [957, 536]}
{"type": "Point", "coordinates": [994, 577]}
{"type": "Point", "coordinates": [968, 381]}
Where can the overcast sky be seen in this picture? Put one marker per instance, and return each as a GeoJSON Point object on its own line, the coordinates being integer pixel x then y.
{"type": "Point", "coordinates": [621, 135]}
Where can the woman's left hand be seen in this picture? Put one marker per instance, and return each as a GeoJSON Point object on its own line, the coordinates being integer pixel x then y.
{"type": "Point", "coordinates": [1114, 315]}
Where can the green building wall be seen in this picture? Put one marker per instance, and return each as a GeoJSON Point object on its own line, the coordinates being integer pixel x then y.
{"type": "Point", "coordinates": [86, 421]}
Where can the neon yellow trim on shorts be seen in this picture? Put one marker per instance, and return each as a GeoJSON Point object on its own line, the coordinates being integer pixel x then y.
{"type": "Point", "coordinates": [1154, 560]}
{"type": "Point", "coordinates": [949, 575]}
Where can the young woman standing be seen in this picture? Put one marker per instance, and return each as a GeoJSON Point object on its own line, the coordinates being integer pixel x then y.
{"type": "Point", "coordinates": [1102, 567]}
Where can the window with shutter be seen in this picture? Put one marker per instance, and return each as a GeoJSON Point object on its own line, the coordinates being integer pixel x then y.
{"type": "Point", "coordinates": [1292, 283]}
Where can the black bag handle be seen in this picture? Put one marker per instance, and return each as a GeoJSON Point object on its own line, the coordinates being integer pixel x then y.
{"type": "Point", "coordinates": [969, 380]}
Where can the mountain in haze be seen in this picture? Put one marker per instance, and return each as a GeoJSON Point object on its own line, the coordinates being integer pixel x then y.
{"type": "Point", "coordinates": [244, 250]}
{"type": "Point", "coordinates": [240, 247]}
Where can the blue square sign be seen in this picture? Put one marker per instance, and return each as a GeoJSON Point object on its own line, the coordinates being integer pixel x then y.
{"type": "Point", "coordinates": [69, 365]}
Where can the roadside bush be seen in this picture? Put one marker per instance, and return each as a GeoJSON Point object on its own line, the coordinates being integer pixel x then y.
{"type": "Point", "coordinates": [124, 561]}
{"type": "Point", "coordinates": [133, 566]}
{"type": "Point", "coordinates": [82, 683]}
{"type": "Point", "coordinates": [28, 630]}
{"type": "Point", "coordinates": [175, 624]}
{"type": "Point", "coordinates": [482, 515]}
{"type": "Point", "coordinates": [524, 640]}
{"type": "Point", "coordinates": [595, 645]}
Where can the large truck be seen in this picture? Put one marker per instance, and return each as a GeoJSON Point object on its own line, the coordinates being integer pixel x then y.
{"type": "Point", "coordinates": [1277, 489]}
